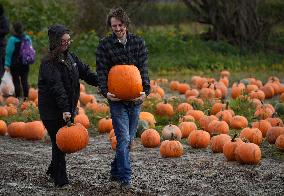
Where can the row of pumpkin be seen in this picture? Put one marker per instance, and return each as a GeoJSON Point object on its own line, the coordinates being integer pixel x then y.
{"type": "Point", "coordinates": [220, 121]}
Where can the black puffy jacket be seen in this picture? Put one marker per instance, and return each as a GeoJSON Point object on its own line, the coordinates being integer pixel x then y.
{"type": "Point", "coordinates": [59, 87]}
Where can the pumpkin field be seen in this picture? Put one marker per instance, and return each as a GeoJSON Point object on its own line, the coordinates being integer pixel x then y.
{"type": "Point", "coordinates": [202, 136]}
{"type": "Point", "coordinates": [211, 125]}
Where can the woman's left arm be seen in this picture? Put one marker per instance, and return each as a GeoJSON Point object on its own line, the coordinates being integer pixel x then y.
{"type": "Point", "coordinates": [85, 73]}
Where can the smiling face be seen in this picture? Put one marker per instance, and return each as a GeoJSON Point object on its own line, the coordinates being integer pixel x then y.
{"type": "Point", "coordinates": [65, 42]}
{"type": "Point", "coordinates": [118, 28]}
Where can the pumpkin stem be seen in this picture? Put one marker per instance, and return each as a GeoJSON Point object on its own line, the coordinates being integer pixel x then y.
{"type": "Point", "coordinates": [234, 137]}
{"type": "Point", "coordinates": [173, 137]}
{"type": "Point", "coordinates": [275, 114]}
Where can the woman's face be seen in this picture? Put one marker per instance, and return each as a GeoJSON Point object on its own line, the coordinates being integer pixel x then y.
{"type": "Point", "coordinates": [118, 27]}
{"type": "Point", "coordinates": [65, 42]}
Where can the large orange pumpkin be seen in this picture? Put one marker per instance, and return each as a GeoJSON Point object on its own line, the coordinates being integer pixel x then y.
{"type": "Point", "coordinates": [72, 139]}
{"type": "Point", "coordinates": [125, 81]}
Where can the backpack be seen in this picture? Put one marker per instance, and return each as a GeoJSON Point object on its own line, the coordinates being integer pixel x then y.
{"type": "Point", "coordinates": [27, 52]}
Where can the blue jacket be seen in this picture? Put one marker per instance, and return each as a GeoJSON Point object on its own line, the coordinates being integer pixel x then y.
{"type": "Point", "coordinates": [11, 47]}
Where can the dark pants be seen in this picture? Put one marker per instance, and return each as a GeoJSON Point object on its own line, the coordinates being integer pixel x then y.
{"type": "Point", "coordinates": [20, 80]}
{"type": "Point", "coordinates": [2, 60]}
{"type": "Point", "coordinates": [57, 167]}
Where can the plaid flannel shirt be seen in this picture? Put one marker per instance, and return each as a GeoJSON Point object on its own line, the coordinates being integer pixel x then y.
{"type": "Point", "coordinates": [111, 52]}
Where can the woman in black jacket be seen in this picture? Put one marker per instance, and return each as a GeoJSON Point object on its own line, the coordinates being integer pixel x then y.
{"type": "Point", "coordinates": [59, 90]}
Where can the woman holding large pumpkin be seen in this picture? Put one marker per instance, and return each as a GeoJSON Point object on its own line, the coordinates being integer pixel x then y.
{"type": "Point", "coordinates": [121, 61]}
{"type": "Point", "coordinates": [59, 91]}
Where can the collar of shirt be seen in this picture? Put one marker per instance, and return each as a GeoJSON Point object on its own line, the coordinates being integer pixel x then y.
{"type": "Point", "coordinates": [123, 41]}
{"type": "Point", "coordinates": [116, 40]}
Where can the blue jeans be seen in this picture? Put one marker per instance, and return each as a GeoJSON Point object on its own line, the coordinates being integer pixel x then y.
{"type": "Point", "coordinates": [125, 118]}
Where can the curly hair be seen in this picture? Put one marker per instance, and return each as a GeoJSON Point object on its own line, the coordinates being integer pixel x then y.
{"type": "Point", "coordinates": [119, 14]}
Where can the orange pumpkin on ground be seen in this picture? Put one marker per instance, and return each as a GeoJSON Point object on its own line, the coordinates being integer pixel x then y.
{"type": "Point", "coordinates": [186, 128]}
{"type": "Point", "coordinates": [164, 109]}
{"type": "Point", "coordinates": [273, 133]}
{"type": "Point", "coordinates": [279, 143]}
{"type": "Point", "coordinates": [113, 142]}
{"type": "Point", "coordinates": [147, 116]}
{"type": "Point", "coordinates": [239, 122]}
{"type": "Point", "coordinates": [229, 148]}
{"type": "Point", "coordinates": [198, 139]}
{"type": "Point", "coordinates": [3, 127]}
{"type": "Point", "coordinates": [248, 153]}
{"type": "Point", "coordinates": [253, 135]}
{"type": "Point", "coordinates": [34, 130]}
{"type": "Point", "coordinates": [105, 125]}
{"type": "Point", "coordinates": [16, 129]}
{"type": "Point", "coordinates": [171, 148]}
{"type": "Point", "coordinates": [150, 138]}
{"type": "Point", "coordinates": [217, 142]}
{"type": "Point", "coordinates": [83, 119]}
{"type": "Point", "coordinates": [262, 125]}
{"type": "Point", "coordinates": [12, 100]}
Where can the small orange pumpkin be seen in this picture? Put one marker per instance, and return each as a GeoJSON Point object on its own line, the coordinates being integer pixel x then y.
{"type": "Point", "coordinates": [3, 127]}
{"type": "Point", "coordinates": [279, 143]}
{"type": "Point", "coordinates": [198, 139]}
{"type": "Point", "coordinates": [248, 153]}
{"type": "Point", "coordinates": [105, 125]}
{"type": "Point", "coordinates": [150, 138]}
{"type": "Point", "coordinates": [171, 148]}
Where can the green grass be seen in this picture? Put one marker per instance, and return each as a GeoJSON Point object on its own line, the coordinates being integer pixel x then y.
{"type": "Point", "coordinates": [179, 51]}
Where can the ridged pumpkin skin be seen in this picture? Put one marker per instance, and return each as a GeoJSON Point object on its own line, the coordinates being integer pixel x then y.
{"type": "Point", "coordinates": [253, 135]}
{"type": "Point", "coordinates": [34, 130]}
{"type": "Point", "coordinates": [3, 127]}
{"type": "Point", "coordinates": [217, 142]}
{"type": "Point", "coordinates": [171, 148]}
{"type": "Point", "coordinates": [273, 133]}
{"type": "Point", "coordinates": [248, 153]}
{"type": "Point", "coordinates": [198, 139]}
{"type": "Point", "coordinates": [83, 119]}
{"type": "Point", "coordinates": [229, 149]}
{"type": "Point", "coordinates": [124, 81]}
{"type": "Point", "coordinates": [16, 129]}
{"type": "Point", "coordinates": [147, 116]}
{"type": "Point", "coordinates": [72, 139]}
{"type": "Point", "coordinates": [150, 138]}
{"type": "Point", "coordinates": [105, 125]}
{"type": "Point", "coordinates": [280, 142]}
